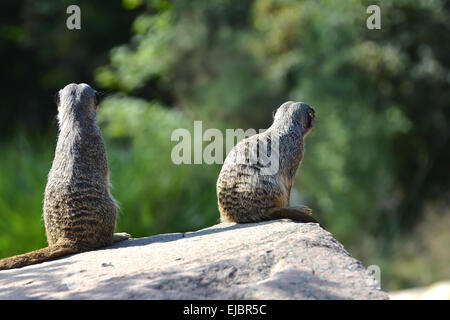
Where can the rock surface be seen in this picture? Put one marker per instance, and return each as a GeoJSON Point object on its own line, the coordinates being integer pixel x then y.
{"type": "Point", "coordinates": [270, 260]}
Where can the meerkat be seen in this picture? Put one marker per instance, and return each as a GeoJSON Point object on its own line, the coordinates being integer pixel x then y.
{"type": "Point", "coordinates": [245, 193]}
{"type": "Point", "coordinates": [79, 211]}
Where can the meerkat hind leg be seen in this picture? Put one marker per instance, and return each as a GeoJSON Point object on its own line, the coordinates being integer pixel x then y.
{"type": "Point", "coordinates": [121, 236]}
{"type": "Point", "coordinates": [300, 213]}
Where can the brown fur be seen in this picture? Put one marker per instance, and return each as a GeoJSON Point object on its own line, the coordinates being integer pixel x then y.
{"type": "Point", "coordinates": [245, 194]}
{"type": "Point", "coordinates": [79, 211]}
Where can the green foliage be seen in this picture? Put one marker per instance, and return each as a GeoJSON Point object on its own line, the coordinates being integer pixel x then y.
{"type": "Point", "coordinates": [154, 194]}
{"type": "Point", "coordinates": [153, 34]}
{"type": "Point", "coordinates": [24, 165]}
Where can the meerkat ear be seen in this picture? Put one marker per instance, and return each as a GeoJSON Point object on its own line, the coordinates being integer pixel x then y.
{"type": "Point", "coordinates": [56, 98]}
{"type": "Point", "coordinates": [96, 99]}
{"type": "Point", "coordinates": [311, 115]}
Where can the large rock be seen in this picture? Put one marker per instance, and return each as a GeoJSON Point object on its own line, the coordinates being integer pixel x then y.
{"type": "Point", "coordinates": [271, 260]}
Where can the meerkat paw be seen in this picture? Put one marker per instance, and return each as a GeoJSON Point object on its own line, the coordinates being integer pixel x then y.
{"type": "Point", "coordinates": [121, 236]}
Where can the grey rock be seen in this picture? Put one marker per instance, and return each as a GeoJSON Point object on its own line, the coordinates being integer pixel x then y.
{"type": "Point", "coordinates": [277, 259]}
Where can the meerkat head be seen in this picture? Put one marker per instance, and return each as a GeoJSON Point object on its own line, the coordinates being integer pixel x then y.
{"type": "Point", "coordinates": [295, 115]}
{"type": "Point", "coordinates": [77, 99]}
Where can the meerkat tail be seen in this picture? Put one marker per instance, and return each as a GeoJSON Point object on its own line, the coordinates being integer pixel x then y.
{"type": "Point", "coordinates": [37, 256]}
{"type": "Point", "coordinates": [301, 214]}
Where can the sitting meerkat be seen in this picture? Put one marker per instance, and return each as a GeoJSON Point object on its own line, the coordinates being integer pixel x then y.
{"type": "Point", "coordinates": [79, 210]}
{"type": "Point", "coordinates": [245, 192]}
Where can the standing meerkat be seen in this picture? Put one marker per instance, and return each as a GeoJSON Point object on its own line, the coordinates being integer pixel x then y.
{"type": "Point", "coordinates": [245, 192]}
{"type": "Point", "coordinates": [79, 211]}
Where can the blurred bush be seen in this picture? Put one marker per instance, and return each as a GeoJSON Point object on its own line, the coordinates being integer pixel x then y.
{"type": "Point", "coordinates": [24, 165]}
{"type": "Point", "coordinates": [154, 194]}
